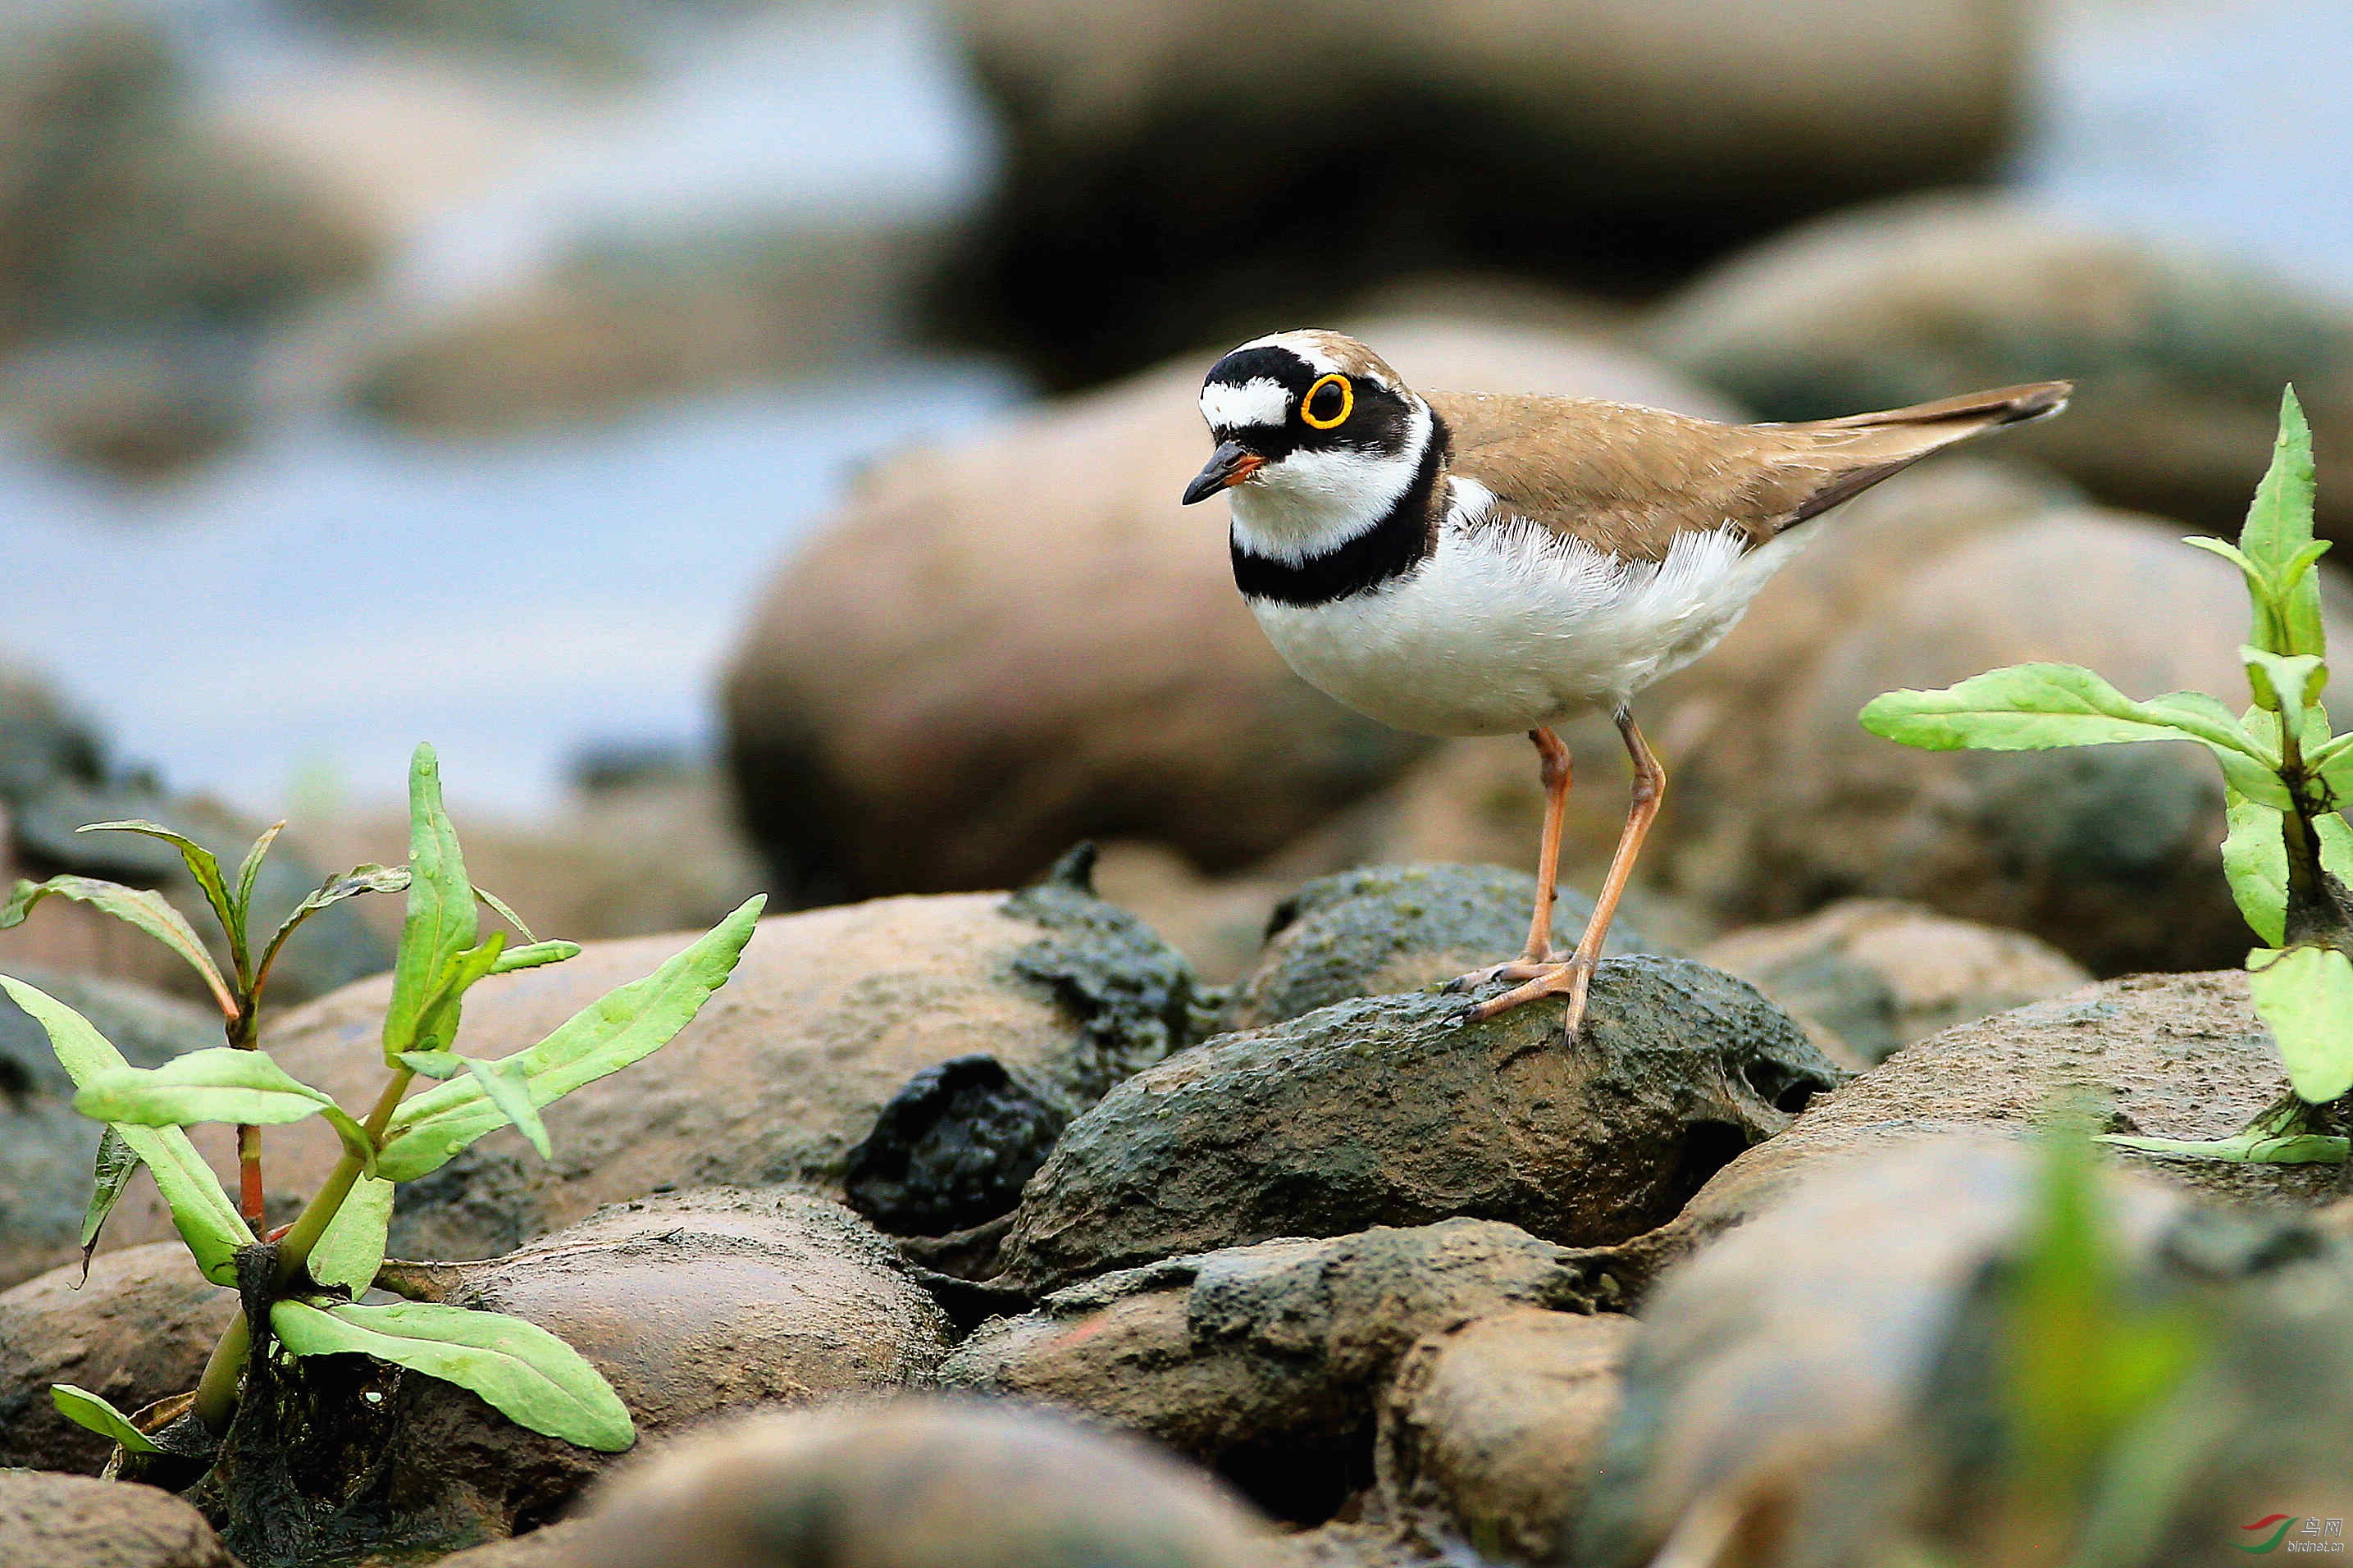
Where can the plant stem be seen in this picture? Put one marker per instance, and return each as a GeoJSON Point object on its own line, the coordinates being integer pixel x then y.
{"type": "Point", "coordinates": [216, 1393]}
{"type": "Point", "coordinates": [244, 1034]}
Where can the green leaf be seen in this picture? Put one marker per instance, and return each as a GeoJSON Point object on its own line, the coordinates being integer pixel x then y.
{"type": "Point", "coordinates": [437, 1023]}
{"type": "Point", "coordinates": [535, 955]}
{"type": "Point", "coordinates": [2252, 780]}
{"type": "Point", "coordinates": [2305, 994]}
{"type": "Point", "coordinates": [222, 1084]}
{"type": "Point", "coordinates": [136, 906]}
{"type": "Point", "coordinates": [2277, 533]}
{"type": "Point", "coordinates": [2035, 707]}
{"type": "Point", "coordinates": [2285, 683]}
{"type": "Point", "coordinates": [509, 1090]}
{"type": "Point", "coordinates": [434, 1063]}
{"type": "Point", "coordinates": [202, 865]}
{"type": "Point", "coordinates": [111, 1173]}
{"type": "Point", "coordinates": [351, 1248]}
{"type": "Point", "coordinates": [83, 1408]}
{"type": "Point", "coordinates": [499, 906]}
{"type": "Point", "coordinates": [368, 879]}
{"type": "Point", "coordinates": [246, 872]}
{"type": "Point", "coordinates": [440, 923]}
{"type": "Point", "coordinates": [2254, 862]}
{"type": "Point", "coordinates": [521, 1370]}
{"type": "Point", "coordinates": [207, 1221]}
{"type": "Point", "coordinates": [604, 1036]}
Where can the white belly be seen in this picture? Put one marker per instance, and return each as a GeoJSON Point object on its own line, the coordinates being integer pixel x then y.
{"type": "Point", "coordinates": [1504, 629]}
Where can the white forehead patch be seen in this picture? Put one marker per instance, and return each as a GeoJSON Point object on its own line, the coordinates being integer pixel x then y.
{"type": "Point", "coordinates": [1259, 401]}
{"type": "Point", "coordinates": [1308, 346]}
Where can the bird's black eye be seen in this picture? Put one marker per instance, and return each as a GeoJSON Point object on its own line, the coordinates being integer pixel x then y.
{"type": "Point", "coordinates": [1328, 403]}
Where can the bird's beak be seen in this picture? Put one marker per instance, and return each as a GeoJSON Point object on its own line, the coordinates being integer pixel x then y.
{"type": "Point", "coordinates": [1229, 466]}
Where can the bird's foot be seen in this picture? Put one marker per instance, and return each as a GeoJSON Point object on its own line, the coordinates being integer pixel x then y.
{"type": "Point", "coordinates": [1519, 969]}
{"type": "Point", "coordinates": [1568, 977]}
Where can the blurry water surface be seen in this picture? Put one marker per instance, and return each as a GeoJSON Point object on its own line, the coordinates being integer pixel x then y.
{"type": "Point", "coordinates": [337, 591]}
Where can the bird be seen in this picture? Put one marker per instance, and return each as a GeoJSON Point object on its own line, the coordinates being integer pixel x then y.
{"type": "Point", "coordinates": [1456, 564]}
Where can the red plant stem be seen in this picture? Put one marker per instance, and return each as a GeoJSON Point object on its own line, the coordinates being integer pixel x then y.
{"type": "Point", "coordinates": [248, 1164]}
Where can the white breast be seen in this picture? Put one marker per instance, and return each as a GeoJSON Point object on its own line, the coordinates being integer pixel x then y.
{"type": "Point", "coordinates": [1504, 628]}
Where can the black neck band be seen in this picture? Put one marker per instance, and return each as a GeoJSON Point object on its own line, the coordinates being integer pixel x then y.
{"type": "Point", "coordinates": [1388, 550]}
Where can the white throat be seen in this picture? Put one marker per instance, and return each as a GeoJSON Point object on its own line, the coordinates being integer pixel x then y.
{"type": "Point", "coordinates": [1311, 503]}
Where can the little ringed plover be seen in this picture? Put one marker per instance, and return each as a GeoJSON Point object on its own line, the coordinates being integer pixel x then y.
{"type": "Point", "coordinates": [1473, 564]}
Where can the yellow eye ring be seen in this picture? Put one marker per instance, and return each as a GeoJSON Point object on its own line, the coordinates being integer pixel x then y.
{"type": "Point", "coordinates": [1348, 402]}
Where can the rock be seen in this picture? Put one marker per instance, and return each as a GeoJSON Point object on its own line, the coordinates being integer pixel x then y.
{"type": "Point", "coordinates": [550, 1546]}
{"type": "Point", "coordinates": [47, 1148]}
{"type": "Point", "coordinates": [624, 855]}
{"type": "Point", "coordinates": [1836, 1366]}
{"type": "Point", "coordinates": [825, 1021]}
{"type": "Point", "coordinates": [141, 407]}
{"type": "Point", "coordinates": [1125, 690]}
{"type": "Point", "coordinates": [138, 1330]}
{"type": "Point", "coordinates": [1388, 928]}
{"type": "Point", "coordinates": [76, 1522]}
{"type": "Point", "coordinates": [123, 214]}
{"type": "Point", "coordinates": [1780, 802]}
{"type": "Point", "coordinates": [915, 1485]}
{"type": "Point", "coordinates": [1384, 1111]}
{"type": "Point", "coordinates": [1267, 1361]}
{"type": "Point", "coordinates": [2179, 358]}
{"type": "Point", "coordinates": [1490, 1432]}
{"type": "Point", "coordinates": [2169, 1055]}
{"type": "Point", "coordinates": [633, 317]}
{"type": "Point", "coordinates": [689, 1305]}
{"type": "Point", "coordinates": [1322, 147]}
{"type": "Point", "coordinates": [43, 741]}
{"type": "Point", "coordinates": [1218, 923]}
{"type": "Point", "coordinates": [1877, 974]}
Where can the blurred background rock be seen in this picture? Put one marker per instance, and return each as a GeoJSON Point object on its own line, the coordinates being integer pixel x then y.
{"type": "Point", "coordinates": [744, 435]}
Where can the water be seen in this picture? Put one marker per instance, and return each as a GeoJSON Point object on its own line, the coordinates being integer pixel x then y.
{"type": "Point", "coordinates": [317, 602]}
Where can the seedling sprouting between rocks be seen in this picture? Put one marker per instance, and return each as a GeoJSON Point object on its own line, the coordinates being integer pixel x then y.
{"type": "Point", "coordinates": [2286, 772]}
{"type": "Point", "coordinates": [298, 1288]}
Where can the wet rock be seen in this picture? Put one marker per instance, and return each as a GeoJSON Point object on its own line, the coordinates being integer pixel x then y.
{"type": "Point", "coordinates": [915, 1485]}
{"type": "Point", "coordinates": [1218, 923]}
{"type": "Point", "coordinates": [46, 1148]}
{"type": "Point", "coordinates": [1386, 928]}
{"type": "Point", "coordinates": [1783, 803]}
{"type": "Point", "coordinates": [1877, 974]}
{"type": "Point", "coordinates": [2179, 358]}
{"type": "Point", "coordinates": [43, 741]}
{"type": "Point", "coordinates": [1322, 147]}
{"type": "Point", "coordinates": [76, 1522]}
{"type": "Point", "coordinates": [970, 667]}
{"type": "Point", "coordinates": [1384, 1111]}
{"type": "Point", "coordinates": [1835, 1367]}
{"type": "Point", "coordinates": [690, 1305]}
{"type": "Point", "coordinates": [2166, 1056]}
{"type": "Point", "coordinates": [137, 1331]}
{"type": "Point", "coordinates": [1491, 1430]}
{"type": "Point", "coordinates": [1267, 1361]}
{"type": "Point", "coordinates": [789, 1065]}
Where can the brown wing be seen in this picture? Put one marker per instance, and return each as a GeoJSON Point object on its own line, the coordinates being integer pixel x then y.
{"type": "Point", "coordinates": [1627, 480]}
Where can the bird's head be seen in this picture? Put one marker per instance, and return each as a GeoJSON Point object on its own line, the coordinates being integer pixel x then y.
{"type": "Point", "coordinates": [1314, 431]}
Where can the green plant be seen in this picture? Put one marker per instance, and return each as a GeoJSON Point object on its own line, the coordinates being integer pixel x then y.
{"type": "Point", "coordinates": [2284, 771]}
{"type": "Point", "coordinates": [301, 1283]}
